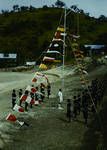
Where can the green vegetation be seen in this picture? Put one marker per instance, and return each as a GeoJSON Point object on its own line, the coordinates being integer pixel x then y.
{"type": "Point", "coordinates": [28, 30]}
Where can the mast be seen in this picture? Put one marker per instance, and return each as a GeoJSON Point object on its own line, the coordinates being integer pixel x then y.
{"type": "Point", "coordinates": [63, 65]}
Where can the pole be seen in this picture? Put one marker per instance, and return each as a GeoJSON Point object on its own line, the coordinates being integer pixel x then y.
{"type": "Point", "coordinates": [64, 48]}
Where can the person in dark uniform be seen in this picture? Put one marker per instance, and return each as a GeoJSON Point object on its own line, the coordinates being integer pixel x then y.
{"type": "Point", "coordinates": [26, 104]}
{"type": "Point", "coordinates": [69, 110]}
{"type": "Point", "coordinates": [32, 96]}
{"type": "Point", "coordinates": [20, 94]}
{"type": "Point", "coordinates": [42, 90]}
{"type": "Point", "coordinates": [75, 106]}
{"type": "Point", "coordinates": [13, 98]}
{"type": "Point", "coordinates": [85, 99]}
{"type": "Point", "coordinates": [85, 113]}
{"type": "Point", "coordinates": [78, 104]}
{"type": "Point", "coordinates": [48, 90]}
{"type": "Point", "coordinates": [85, 102]}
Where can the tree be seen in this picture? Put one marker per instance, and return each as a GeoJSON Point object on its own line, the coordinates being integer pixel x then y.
{"type": "Point", "coordinates": [101, 39]}
{"type": "Point", "coordinates": [16, 8]}
{"type": "Point", "coordinates": [53, 6]}
{"type": "Point", "coordinates": [59, 4]}
{"type": "Point", "coordinates": [45, 6]}
{"type": "Point", "coordinates": [74, 7]}
{"type": "Point", "coordinates": [24, 8]}
{"type": "Point", "coordinates": [102, 18]}
{"type": "Point", "coordinates": [5, 12]}
{"type": "Point", "coordinates": [31, 8]}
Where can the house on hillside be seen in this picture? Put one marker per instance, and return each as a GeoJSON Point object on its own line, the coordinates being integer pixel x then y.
{"type": "Point", "coordinates": [96, 49]}
{"type": "Point", "coordinates": [8, 59]}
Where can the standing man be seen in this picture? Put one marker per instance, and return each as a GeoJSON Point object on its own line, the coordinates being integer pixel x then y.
{"type": "Point", "coordinates": [75, 106]}
{"type": "Point", "coordinates": [26, 104]}
{"type": "Point", "coordinates": [85, 114]}
{"type": "Point", "coordinates": [42, 90]}
{"type": "Point", "coordinates": [69, 110]}
{"type": "Point", "coordinates": [60, 95]}
{"type": "Point", "coordinates": [20, 94]}
{"type": "Point", "coordinates": [13, 98]}
{"type": "Point", "coordinates": [48, 90]}
{"type": "Point", "coordinates": [32, 96]}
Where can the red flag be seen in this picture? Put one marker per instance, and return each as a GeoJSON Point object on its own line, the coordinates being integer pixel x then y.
{"type": "Point", "coordinates": [11, 117]}
{"type": "Point", "coordinates": [31, 89]}
{"type": "Point", "coordinates": [58, 35]}
{"type": "Point", "coordinates": [32, 101]}
{"type": "Point", "coordinates": [34, 80]}
{"type": "Point", "coordinates": [23, 97]}
{"type": "Point", "coordinates": [18, 108]}
{"type": "Point", "coordinates": [28, 100]}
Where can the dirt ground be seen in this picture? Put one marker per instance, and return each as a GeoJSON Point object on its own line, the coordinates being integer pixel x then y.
{"type": "Point", "coordinates": [49, 129]}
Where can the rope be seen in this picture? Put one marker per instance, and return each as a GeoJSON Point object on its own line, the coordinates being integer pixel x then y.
{"type": "Point", "coordinates": [61, 18]}
{"type": "Point", "coordinates": [89, 92]}
{"type": "Point", "coordinates": [53, 35]}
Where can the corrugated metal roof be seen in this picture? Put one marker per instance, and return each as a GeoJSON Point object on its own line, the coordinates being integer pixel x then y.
{"type": "Point", "coordinates": [95, 46]}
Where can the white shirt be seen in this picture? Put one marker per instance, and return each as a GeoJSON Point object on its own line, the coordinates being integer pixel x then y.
{"type": "Point", "coordinates": [60, 96]}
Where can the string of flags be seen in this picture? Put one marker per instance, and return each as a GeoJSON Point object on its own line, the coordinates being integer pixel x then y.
{"type": "Point", "coordinates": [53, 53]}
{"type": "Point", "coordinates": [27, 98]}
{"type": "Point", "coordinates": [18, 108]}
{"type": "Point", "coordinates": [79, 56]}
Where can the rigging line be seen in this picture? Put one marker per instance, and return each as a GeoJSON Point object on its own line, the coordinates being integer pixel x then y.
{"type": "Point", "coordinates": [90, 96]}
{"type": "Point", "coordinates": [61, 18]}
{"type": "Point", "coordinates": [77, 23]}
{"type": "Point", "coordinates": [84, 79]}
{"type": "Point", "coordinates": [56, 27]}
{"type": "Point", "coordinates": [40, 56]}
{"type": "Point", "coordinates": [53, 35]}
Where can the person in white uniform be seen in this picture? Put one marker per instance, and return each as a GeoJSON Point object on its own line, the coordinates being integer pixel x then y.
{"type": "Point", "coordinates": [60, 95]}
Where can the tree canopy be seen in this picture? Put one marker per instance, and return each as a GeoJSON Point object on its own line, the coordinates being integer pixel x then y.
{"type": "Point", "coordinates": [29, 31]}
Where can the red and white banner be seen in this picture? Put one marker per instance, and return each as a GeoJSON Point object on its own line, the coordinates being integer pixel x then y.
{"type": "Point", "coordinates": [18, 108]}
{"type": "Point", "coordinates": [11, 117]}
{"type": "Point", "coordinates": [31, 89]}
{"type": "Point", "coordinates": [39, 76]}
{"type": "Point", "coordinates": [23, 97]}
{"type": "Point", "coordinates": [29, 100]}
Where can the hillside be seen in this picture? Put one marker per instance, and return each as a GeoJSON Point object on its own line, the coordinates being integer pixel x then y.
{"type": "Point", "coordinates": [29, 32]}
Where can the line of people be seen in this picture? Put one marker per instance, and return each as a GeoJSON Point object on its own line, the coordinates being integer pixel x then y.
{"type": "Point", "coordinates": [37, 96]}
{"type": "Point", "coordinates": [87, 101]}
{"type": "Point", "coordinates": [84, 102]}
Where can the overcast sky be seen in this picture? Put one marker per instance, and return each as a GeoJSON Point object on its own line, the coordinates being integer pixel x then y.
{"type": "Point", "coordinates": [94, 7]}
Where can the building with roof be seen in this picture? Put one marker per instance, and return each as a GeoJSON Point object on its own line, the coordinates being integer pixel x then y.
{"type": "Point", "coordinates": [8, 59]}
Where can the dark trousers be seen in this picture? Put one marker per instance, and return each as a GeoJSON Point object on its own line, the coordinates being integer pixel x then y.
{"type": "Point", "coordinates": [13, 103]}
{"type": "Point", "coordinates": [26, 105]}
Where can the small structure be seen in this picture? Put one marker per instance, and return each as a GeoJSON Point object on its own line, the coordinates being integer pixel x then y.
{"type": "Point", "coordinates": [95, 49]}
{"type": "Point", "coordinates": [8, 59]}
{"type": "Point", "coordinates": [30, 63]}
